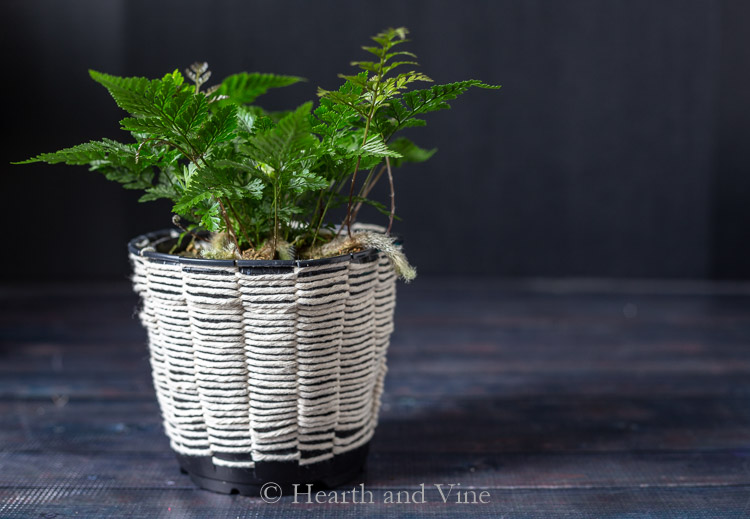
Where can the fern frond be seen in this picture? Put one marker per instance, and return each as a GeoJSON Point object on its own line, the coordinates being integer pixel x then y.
{"type": "Point", "coordinates": [94, 152]}
{"type": "Point", "coordinates": [158, 192]}
{"type": "Point", "coordinates": [244, 88]}
{"type": "Point", "coordinates": [401, 112]}
{"type": "Point", "coordinates": [434, 98]}
{"type": "Point", "coordinates": [191, 113]}
{"type": "Point", "coordinates": [268, 179]}
{"type": "Point", "coordinates": [218, 128]}
{"type": "Point", "coordinates": [304, 180]}
{"type": "Point", "coordinates": [198, 73]}
{"type": "Point", "coordinates": [287, 142]}
{"type": "Point", "coordinates": [129, 93]}
{"type": "Point", "coordinates": [391, 36]}
{"type": "Point", "coordinates": [409, 152]}
{"type": "Point", "coordinates": [375, 146]}
{"type": "Point", "coordinates": [350, 99]}
{"type": "Point", "coordinates": [334, 119]}
{"type": "Point", "coordinates": [141, 96]}
{"type": "Point", "coordinates": [152, 127]}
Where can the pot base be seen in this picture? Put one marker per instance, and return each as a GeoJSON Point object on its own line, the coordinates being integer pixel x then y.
{"type": "Point", "coordinates": [249, 482]}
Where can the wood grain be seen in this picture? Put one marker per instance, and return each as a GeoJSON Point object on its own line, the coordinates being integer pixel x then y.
{"type": "Point", "coordinates": [558, 399]}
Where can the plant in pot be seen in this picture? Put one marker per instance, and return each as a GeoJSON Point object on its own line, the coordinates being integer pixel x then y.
{"type": "Point", "coordinates": [268, 325]}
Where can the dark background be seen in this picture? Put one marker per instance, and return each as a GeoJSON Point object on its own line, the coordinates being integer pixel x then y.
{"type": "Point", "coordinates": [617, 147]}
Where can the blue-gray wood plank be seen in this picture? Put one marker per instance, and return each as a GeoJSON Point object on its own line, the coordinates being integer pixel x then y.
{"type": "Point", "coordinates": [558, 399]}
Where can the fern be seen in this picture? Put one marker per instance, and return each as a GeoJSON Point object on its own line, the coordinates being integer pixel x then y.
{"type": "Point", "coordinates": [218, 129]}
{"type": "Point", "coordinates": [158, 192]}
{"type": "Point", "coordinates": [143, 97]}
{"type": "Point", "coordinates": [401, 113]}
{"type": "Point", "coordinates": [266, 181]}
{"type": "Point", "coordinates": [375, 146]}
{"type": "Point", "coordinates": [385, 105]}
{"type": "Point", "coordinates": [245, 88]}
{"type": "Point", "coordinates": [287, 143]}
{"type": "Point", "coordinates": [409, 152]}
{"type": "Point", "coordinates": [88, 153]}
{"type": "Point", "coordinates": [115, 160]}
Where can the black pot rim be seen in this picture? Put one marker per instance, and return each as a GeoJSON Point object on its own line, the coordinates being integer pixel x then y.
{"type": "Point", "coordinates": [137, 244]}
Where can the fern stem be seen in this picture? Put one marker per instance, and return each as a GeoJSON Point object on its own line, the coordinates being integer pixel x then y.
{"type": "Point", "coordinates": [316, 212]}
{"type": "Point", "coordinates": [367, 187]}
{"type": "Point", "coordinates": [370, 116]}
{"type": "Point", "coordinates": [393, 196]}
{"type": "Point", "coordinates": [354, 175]}
{"type": "Point", "coordinates": [194, 158]}
{"type": "Point", "coordinates": [328, 203]}
{"type": "Point", "coordinates": [322, 218]}
{"type": "Point", "coordinates": [275, 219]}
{"type": "Point", "coordinates": [239, 222]}
{"type": "Point", "coordinates": [176, 220]}
{"type": "Point", "coordinates": [138, 150]}
{"type": "Point", "coordinates": [364, 186]}
{"type": "Point", "coordinates": [351, 195]}
{"type": "Point", "coordinates": [230, 228]}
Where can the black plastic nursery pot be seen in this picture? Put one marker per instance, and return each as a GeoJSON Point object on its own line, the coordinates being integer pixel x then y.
{"type": "Point", "coordinates": [266, 372]}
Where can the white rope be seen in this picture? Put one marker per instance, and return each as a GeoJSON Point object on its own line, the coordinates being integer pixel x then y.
{"type": "Point", "coordinates": [250, 366]}
{"type": "Point", "coordinates": [215, 313]}
{"type": "Point", "coordinates": [174, 373]}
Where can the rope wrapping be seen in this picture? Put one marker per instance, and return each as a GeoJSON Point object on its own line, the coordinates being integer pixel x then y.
{"type": "Point", "coordinates": [253, 362]}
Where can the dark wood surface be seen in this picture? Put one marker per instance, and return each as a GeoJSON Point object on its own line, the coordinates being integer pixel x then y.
{"type": "Point", "coordinates": [559, 399]}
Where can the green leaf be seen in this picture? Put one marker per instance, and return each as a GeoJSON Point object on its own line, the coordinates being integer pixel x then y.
{"type": "Point", "coordinates": [386, 37]}
{"type": "Point", "coordinates": [376, 147]}
{"type": "Point", "coordinates": [253, 189]}
{"type": "Point", "coordinates": [157, 192]}
{"type": "Point", "coordinates": [409, 152]}
{"type": "Point", "coordinates": [244, 165]}
{"type": "Point", "coordinates": [116, 161]}
{"type": "Point", "coordinates": [246, 119]}
{"type": "Point", "coordinates": [350, 100]}
{"type": "Point", "coordinates": [170, 110]}
{"type": "Point", "coordinates": [88, 153]}
{"type": "Point", "coordinates": [210, 218]}
{"type": "Point", "coordinates": [380, 207]}
{"type": "Point", "coordinates": [191, 199]}
{"type": "Point", "coordinates": [396, 64]}
{"type": "Point", "coordinates": [276, 173]}
{"type": "Point", "coordinates": [436, 97]}
{"type": "Point", "coordinates": [191, 113]}
{"type": "Point", "coordinates": [218, 128]}
{"type": "Point", "coordinates": [140, 96]}
{"type": "Point", "coordinates": [333, 120]}
{"type": "Point", "coordinates": [152, 127]}
{"type": "Point", "coordinates": [244, 88]}
{"type": "Point", "coordinates": [306, 181]}
{"type": "Point", "coordinates": [288, 143]}
{"type": "Point", "coordinates": [401, 113]}
{"type": "Point", "coordinates": [129, 93]}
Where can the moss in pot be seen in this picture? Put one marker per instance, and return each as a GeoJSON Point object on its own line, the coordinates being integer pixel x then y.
{"type": "Point", "coordinates": [268, 324]}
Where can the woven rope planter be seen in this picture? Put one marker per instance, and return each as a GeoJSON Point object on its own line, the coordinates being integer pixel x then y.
{"type": "Point", "coordinates": [266, 370]}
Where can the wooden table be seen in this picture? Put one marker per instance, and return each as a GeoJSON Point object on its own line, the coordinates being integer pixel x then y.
{"type": "Point", "coordinates": [557, 399]}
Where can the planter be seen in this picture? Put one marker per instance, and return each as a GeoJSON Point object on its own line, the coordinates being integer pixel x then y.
{"type": "Point", "coordinates": [266, 371]}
